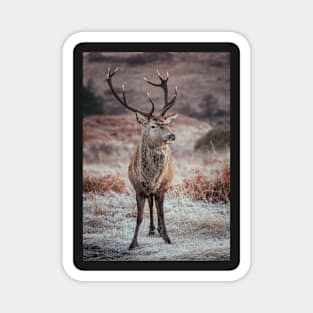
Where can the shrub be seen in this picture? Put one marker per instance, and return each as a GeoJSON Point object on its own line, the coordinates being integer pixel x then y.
{"type": "Point", "coordinates": [200, 187]}
{"type": "Point", "coordinates": [218, 138]}
{"type": "Point", "coordinates": [92, 104]}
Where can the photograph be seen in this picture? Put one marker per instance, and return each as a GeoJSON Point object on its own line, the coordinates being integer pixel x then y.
{"type": "Point", "coordinates": [156, 156]}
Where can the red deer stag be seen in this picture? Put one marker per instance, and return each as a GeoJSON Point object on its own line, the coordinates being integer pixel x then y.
{"type": "Point", "coordinates": [151, 167]}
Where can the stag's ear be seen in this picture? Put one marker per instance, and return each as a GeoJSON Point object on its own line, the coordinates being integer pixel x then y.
{"type": "Point", "coordinates": [169, 119]}
{"type": "Point", "coordinates": [141, 119]}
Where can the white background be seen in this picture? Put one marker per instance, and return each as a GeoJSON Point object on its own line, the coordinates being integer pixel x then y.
{"type": "Point", "coordinates": [32, 33]}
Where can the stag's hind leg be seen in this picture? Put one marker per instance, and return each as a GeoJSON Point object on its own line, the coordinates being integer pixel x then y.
{"type": "Point", "coordinates": [151, 228]}
{"type": "Point", "coordinates": [140, 206]}
{"type": "Point", "coordinates": [159, 226]}
{"type": "Point", "coordinates": [159, 200]}
{"type": "Point", "coordinates": [160, 229]}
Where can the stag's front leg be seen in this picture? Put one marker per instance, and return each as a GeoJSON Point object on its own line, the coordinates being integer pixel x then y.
{"type": "Point", "coordinates": [159, 200]}
{"type": "Point", "coordinates": [151, 228]}
{"type": "Point", "coordinates": [140, 206]}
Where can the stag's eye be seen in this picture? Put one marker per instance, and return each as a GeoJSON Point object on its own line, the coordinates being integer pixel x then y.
{"type": "Point", "coordinates": [152, 126]}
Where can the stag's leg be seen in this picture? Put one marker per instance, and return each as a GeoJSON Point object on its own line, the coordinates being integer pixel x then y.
{"type": "Point", "coordinates": [159, 200]}
{"type": "Point", "coordinates": [152, 228]}
{"type": "Point", "coordinates": [159, 226]}
{"type": "Point", "coordinates": [140, 206]}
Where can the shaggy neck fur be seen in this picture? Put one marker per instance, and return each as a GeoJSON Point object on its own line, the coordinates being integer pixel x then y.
{"type": "Point", "coordinates": [152, 164]}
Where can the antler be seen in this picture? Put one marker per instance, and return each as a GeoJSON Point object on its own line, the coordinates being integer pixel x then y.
{"type": "Point", "coordinates": [123, 101]}
{"type": "Point", "coordinates": [163, 85]}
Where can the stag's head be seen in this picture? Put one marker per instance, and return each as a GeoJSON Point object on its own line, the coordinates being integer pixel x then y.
{"type": "Point", "coordinates": [157, 131]}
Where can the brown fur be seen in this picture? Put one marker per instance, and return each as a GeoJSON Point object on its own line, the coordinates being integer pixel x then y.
{"type": "Point", "coordinates": [151, 169]}
{"type": "Point", "coordinates": [151, 172]}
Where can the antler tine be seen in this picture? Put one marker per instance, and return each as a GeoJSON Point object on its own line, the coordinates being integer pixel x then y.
{"type": "Point", "coordinates": [111, 73]}
{"type": "Point", "coordinates": [123, 101]}
{"type": "Point", "coordinates": [152, 83]}
{"type": "Point", "coordinates": [123, 91]}
{"type": "Point", "coordinates": [163, 80]}
{"type": "Point", "coordinates": [160, 76]}
{"type": "Point", "coordinates": [170, 104]}
{"type": "Point", "coordinates": [151, 101]}
{"type": "Point", "coordinates": [163, 85]}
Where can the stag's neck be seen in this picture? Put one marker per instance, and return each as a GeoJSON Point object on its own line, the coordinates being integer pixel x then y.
{"type": "Point", "coordinates": [152, 165]}
{"type": "Point", "coordinates": [153, 159]}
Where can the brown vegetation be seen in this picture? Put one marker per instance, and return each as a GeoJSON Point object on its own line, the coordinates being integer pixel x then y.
{"type": "Point", "coordinates": [201, 187]}
{"type": "Point", "coordinates": [100, 185]}
{"type": "Point", "coordinates": [107, 128]}
{"type": "Point", "coordinates": [103, 129]}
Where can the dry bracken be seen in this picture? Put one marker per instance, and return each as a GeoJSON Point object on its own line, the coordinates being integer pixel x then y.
{"type": "Point", "coordinates": [104, 184]}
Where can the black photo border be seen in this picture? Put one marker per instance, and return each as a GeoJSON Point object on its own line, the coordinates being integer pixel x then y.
{"type": "Point", "coordinates": [234, 155]}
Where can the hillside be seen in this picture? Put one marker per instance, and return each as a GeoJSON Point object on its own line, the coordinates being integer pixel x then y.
{"type": "Point", "coordinates": [203, 81]}
{"type": "Point", "coordinates": [116, 136]}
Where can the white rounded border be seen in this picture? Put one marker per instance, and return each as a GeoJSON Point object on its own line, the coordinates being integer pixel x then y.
{"type": "Point", "coordinates": [245, 201]}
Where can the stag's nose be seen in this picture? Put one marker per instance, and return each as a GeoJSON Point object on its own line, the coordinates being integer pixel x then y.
{"type": "Point", "coordinates": [172, 137]}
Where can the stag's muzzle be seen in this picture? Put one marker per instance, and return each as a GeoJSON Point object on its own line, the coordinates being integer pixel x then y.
{"type": "Point", "coordinates": [170, 138]}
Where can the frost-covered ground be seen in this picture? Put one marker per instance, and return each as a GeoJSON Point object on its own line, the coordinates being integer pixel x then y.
{"type": "Point", "coordinates": [198, 230]}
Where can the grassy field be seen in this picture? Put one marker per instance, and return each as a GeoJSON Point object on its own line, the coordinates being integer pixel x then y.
{"type": "Point", "coordinates": [198, 230]}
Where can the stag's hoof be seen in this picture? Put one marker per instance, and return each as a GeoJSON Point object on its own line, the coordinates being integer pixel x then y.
{"type": "Point", "coordinates": [160, 231]}
{"type": "Point", "coordinates": [152, 231]}
{"type": "Point", "coordinates": [167, 239]}
{"type": "Point", "coordinates": [133, 245]}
